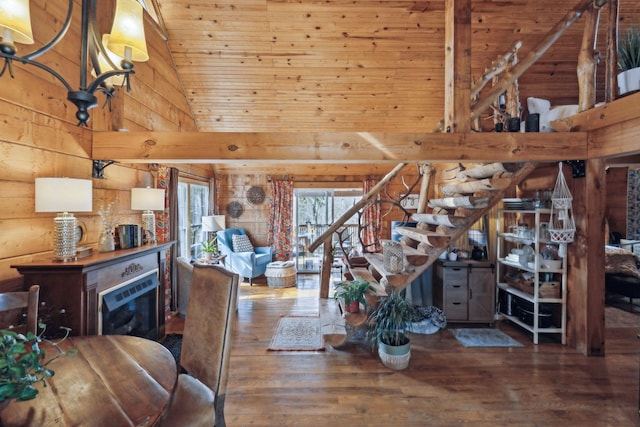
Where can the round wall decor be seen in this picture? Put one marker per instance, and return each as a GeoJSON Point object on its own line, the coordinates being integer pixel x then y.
{"type": "Point", "coordinates": [234, 209]}
{"type": "Point", "coordinates": [255, 195]}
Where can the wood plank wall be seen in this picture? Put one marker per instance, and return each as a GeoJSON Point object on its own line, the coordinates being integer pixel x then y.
{"type": "Point", "coordinates": [39, 137]}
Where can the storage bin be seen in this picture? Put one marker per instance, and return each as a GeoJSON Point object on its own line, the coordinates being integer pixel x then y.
{"type": "Point", "coordinates": [281, 274]}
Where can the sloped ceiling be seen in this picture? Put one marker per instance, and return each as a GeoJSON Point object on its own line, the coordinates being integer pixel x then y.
{"type": "Point", "coordinates": [354, 65]}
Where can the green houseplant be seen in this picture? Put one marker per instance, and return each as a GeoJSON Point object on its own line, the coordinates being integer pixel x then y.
{"type": "Point", "coordinates": [22, 363]}
{"type": "Point", "coordinates": [353, 293]}
{"type": "Point", "coordinates": [210, 248]}
{"type": "Point", "coordinates": [629, 61]}
{"type": "Point", "coordinates": [388, 323]}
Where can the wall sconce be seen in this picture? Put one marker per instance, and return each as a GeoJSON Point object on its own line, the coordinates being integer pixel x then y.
{"type": "Point", "coordinates": [64, 195]}
{"type": "Point", "coordinates": [148, 200]}
{"type": "Point", "coordinates": [111, 56]}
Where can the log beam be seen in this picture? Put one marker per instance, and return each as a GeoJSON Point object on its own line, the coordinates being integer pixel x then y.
{"type": "Point", "coordinates": [336, 148]}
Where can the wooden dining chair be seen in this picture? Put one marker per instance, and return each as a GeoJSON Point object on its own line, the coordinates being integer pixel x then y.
{"type": "Point", "coordinates": [206, 348]}
{"type": "Point", "coordinates": [16, 301]}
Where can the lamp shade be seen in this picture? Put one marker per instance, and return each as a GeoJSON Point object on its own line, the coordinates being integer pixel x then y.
{"type": "Point", "coordinates": [128, 31]}
{"type": "Point", "coordinates": [213, 223]}
{"type": "Point", "coordinates": [106, 66]}
{"type": "Point", "coordinates": [15, 21]}
{"type": "Point", "coordinates": [147, 199]}
{"type": "Point", "coordinates": [64, 195]}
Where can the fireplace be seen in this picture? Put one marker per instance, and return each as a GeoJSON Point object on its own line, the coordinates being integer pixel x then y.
{"type": "Point", "coordinates": [130, 308]}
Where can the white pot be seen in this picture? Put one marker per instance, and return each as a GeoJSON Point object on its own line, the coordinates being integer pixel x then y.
{"type": "Point", "coordinates": [395, 357]}
{"type": "Point", "coordinates": [629, 81]}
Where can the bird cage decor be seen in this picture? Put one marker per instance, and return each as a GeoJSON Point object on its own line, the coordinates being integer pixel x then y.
{"type": "Point", "coordinates": [562, 227]}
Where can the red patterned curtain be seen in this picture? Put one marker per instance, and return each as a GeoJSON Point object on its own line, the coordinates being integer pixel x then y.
{"type": "Point", "coordinates": [371, 233]}
{"type": "Point", "coordinates": [167, 228]}
{"type": "Point", "coordinates": [280, 223]}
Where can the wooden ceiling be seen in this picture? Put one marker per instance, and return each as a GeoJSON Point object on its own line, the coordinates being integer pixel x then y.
{"type": "Point", "coordinates": [354, 65]}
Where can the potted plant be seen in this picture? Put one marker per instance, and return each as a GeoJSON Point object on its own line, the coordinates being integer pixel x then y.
{"type": "Point", "coordinates": [22, 364]}
{"type": "Point", "coordinates": [210, 248]}
{"type": "Point", "coordinates": [353, 293]}
{"type": "Point", "coordinates": [629, 61]}
{"type": "Point", "coordinates": [388, 323]}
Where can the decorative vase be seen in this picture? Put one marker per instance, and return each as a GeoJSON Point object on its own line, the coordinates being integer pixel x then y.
{"type": "Point", "coordinates": [395, 356]}
{"type": "Point", "coordinates": [106, 242]}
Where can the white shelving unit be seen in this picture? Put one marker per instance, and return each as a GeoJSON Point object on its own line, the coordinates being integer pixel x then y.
{"type": "Point", "coordinates": [510, 298]}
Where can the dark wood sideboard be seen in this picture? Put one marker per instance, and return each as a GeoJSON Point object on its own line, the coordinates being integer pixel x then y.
{"type": "Point", "coordinates": [71, 289]}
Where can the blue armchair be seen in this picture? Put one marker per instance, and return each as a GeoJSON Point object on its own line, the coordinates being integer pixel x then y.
{"type": "Point", "coordinates": [246, 264]}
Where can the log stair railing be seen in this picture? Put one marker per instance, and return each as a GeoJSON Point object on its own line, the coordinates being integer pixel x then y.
{"type": "Point", "coordinates": [450, 218]}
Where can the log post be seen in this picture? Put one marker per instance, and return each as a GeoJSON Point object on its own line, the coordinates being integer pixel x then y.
{"type": "Point", "coordinates": [611, 81]}
{"type": "Point", "coordinates": [427, 170]}
{"type": "Point", "coordinates": [325, 273]}
{"type": "Point", "coordinates": [587, 61]}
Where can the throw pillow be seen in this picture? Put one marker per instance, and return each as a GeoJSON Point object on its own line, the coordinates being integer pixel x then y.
{"type": "Point", "coordinates": [241, 243]}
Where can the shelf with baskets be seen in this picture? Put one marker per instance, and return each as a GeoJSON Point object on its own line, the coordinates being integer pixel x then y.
{"type": "Point", "coordinates": [531, 277]}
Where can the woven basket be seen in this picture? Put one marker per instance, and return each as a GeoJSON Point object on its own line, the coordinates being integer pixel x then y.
{"type": "Point", "coordinates": [281, 274]}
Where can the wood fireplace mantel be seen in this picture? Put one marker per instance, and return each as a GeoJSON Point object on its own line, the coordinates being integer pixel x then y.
{"type": "Point", "coordinates": [69, 291]}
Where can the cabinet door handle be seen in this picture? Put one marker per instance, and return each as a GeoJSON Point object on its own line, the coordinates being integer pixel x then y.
{"type": "Point", "coordinates": [470, 294]}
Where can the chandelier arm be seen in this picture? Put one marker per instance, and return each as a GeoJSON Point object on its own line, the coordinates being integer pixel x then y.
{"type": "Point", "coordinates": [26, 60]}
{"type": "Point", "coordinates": [54, 41]}
{"type": "Point", "coordinates": [104, 76]}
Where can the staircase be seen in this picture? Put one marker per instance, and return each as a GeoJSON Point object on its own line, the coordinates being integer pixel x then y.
{"type": "Point", "coordinates": [465, 193]}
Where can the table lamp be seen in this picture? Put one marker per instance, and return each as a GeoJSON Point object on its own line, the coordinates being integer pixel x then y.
{"type": "Point", "coordinates": [64, 195]}
{"type": "Point", "coordinates": [148, 200]}
{"type": "Point", "coordinates": [213, 223]}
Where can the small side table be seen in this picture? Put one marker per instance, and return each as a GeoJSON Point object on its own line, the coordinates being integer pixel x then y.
{"type": "Point", "coordinates": [218, 259]}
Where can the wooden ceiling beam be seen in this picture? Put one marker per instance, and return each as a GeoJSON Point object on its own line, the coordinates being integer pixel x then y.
{"type": "Point", "coordinates": [335, 148]}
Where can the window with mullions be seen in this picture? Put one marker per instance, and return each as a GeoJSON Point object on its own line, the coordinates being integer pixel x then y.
{"type": "Point", "coordinates": [193, 204]}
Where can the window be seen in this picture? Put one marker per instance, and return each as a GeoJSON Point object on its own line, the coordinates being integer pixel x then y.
{"type": "Point", "coordinates": [193, 204]}
{"type": "Point", "coordinates": [315, 211]}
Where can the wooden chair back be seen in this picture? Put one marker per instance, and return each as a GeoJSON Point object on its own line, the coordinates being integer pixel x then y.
{"type": "Point", "coordinates": [16, 301]}
{"type": "Point", "coordinates": [208, 328]}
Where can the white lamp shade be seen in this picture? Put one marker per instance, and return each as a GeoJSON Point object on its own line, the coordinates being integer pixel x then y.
{"type": "Point", "coordinates": [147, 199]}
{"type": "Point", "coordinates": [213, 223]}
{"type": "Point", "coordinates": [15, 20]}
{"type": "Point", "coordinates": [128, 31]}
{"type": "Point", "coordinates": [64, 195]}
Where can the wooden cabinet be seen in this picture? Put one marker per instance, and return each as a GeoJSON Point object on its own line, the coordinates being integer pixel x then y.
{"type": "Point", "coordinates": [464, 290]}
{"type": "Point", "coordinates": [69, 291]}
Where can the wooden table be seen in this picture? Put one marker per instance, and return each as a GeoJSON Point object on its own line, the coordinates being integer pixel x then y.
{"type": "Point", "coordinates": [114, 380]}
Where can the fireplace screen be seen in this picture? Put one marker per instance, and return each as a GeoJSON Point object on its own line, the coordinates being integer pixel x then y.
{"type": "Point", "coordinates": [131, 308]}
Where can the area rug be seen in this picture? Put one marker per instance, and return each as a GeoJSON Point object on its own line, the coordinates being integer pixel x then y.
{"type": "Point", "coordinates": [484, 337]}
{"type": "Point", "coordinates": [297, 333]}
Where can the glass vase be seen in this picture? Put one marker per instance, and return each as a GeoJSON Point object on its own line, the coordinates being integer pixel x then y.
{"type": "Point", "coordinates": [106, 242]}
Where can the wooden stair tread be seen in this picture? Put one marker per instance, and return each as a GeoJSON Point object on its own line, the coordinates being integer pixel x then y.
{"type": "Point", "coordinates": [334, 331]}
{"type": "Point", "coordinates": [468, 202]}
{"type": "Point", "coordinates": [441, 219]}
{"type": "Point", "coordinates": [396, 280]}
{"type": "Point", "coordinates": [431, 238]}
{"type": "Point", "coordinates": [473, 186]}
{"type": "Point", "coordinates": [364, 274]}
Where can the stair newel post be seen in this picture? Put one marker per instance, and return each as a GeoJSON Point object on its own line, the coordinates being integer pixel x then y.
{"type": "Point", "coordinates": [325, 272]}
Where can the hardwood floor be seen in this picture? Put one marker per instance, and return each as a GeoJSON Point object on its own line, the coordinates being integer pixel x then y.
{"type": "Point", "coordinates": [445, 384]}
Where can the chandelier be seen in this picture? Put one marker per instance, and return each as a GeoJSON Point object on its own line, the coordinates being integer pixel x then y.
{"type": "Point", "coordinates": [111, 55]}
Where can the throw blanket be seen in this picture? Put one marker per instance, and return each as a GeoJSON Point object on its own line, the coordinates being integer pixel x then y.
{"type": "Point", "coordinates": [620, 261]}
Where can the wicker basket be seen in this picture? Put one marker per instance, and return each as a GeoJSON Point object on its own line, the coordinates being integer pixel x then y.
{"type": "Point", "coordinates": [281, 274]}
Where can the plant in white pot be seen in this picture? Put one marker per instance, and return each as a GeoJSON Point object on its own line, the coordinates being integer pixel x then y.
{"type": "Point", "coordinates": [629, 61]}
{"type": "Point", "coordinates": [209, 248]}
{"type": "Point", "coordinates": [388, 323]}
